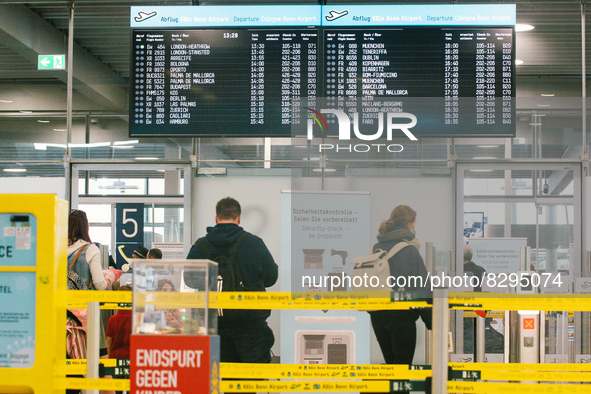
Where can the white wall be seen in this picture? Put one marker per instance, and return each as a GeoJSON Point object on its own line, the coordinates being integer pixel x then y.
{"type": "Point", "coordinates": [260, 199]}
{"type": "Point", "coordinates": [25, 185]}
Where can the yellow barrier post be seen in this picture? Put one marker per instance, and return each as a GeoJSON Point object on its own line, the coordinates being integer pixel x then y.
{"type": "Point", "coordinates": [33, 254]}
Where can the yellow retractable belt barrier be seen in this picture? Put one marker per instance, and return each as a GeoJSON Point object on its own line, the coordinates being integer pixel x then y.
{"type": "Point", "coordinates": [514, 302]}
{"type": "Point", "coordinates": [237, 386]}
{"type": "Point", "coordinates": [517, 388]}
{"type": "Point", "coordinates": [520, 367]}
{"type": "Point", "coordinates": [288, 371]}
{"type": "Point", "coordinates": [333, 300]}
{"type": "Point", "coordinates": [247, 300]}
{"type": "Point", "coordinates": [93, 384]}
{"type": "Point", "coordinates": [320, 371]}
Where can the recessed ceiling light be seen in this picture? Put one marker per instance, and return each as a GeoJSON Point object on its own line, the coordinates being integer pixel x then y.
{"type": "Point", "coordinates": [487, 146]}
{"type": "Point", "coordinates": [519, 27]}
{"type": "Point", "coordinates": [547, 94]}
{"type": "Point", "coordinates": [15, 170]}
{"type": "Point", "coordinates": [146, 158]}
{"type": "Point", "coordinates": [6, 101]}
{"type": "Point", "coordinates": [42, 121]}
{"type": "Point", "coordinates": [25, 112]}
{"type": "Point", "coordinates": [60, 129]}
{"type": "Point", "coordinates": [518, 62]}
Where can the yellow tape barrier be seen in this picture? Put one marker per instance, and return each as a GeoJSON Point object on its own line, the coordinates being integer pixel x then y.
{"type": "Point", "coordinates": [333, 300]}
{"type": "Point", "coordinates": [291, 371]}
{"type": "Point", "coordinates": [78, 366]}
{"type": "Point", "coordinates": [237, 386]}
{"type": "Point", "coordinates": [325, 371]}
{"type": "Point", "coordinates": [516, 388]}
{"type": "Point", "coordinates": [520, 367]}
{"type": "Point", "coordinates": [93, 384]}
{"type": "Point", "coordinates": [515, 302]}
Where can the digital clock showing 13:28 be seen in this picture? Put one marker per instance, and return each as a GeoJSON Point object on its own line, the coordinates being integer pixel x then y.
{"type": "Point", "coordinates": [230, 35]}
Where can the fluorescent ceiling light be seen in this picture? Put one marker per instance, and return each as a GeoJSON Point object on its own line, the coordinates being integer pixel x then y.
{"type": "Point", "coordinates": [538, 114]}
{"type": "Point", "coordinates": [535, 124]}
{"type": "Point", "coordinates": [126, 142]}
{"type": "Point", "coordinates": [60, 129]}
{"type": "Point", "coordinates": [518, 62]}
{"type": "Point", "coordinates": [42, 121]}
{"type": "Point", "coordinates": [15, 170]}
{"type": "Point", "coordinates": [519, 27]}
{"type": "Point", "coordinates": [481, 170]}
{"type": "Point", "coordinates": [325, 169]}
{"type": "Point", "coordinates": [146, 158]}
{"type": "Point", "coordinates": [484, 158]}
{"type": "Point", "coordinates": [43, 146]}
{"type": "Point", "coordinates": [121, 147]}
{"type": "Point", "coordinates": [487, 146]}
{"type": "Point", "coordinates": [93, 145]}
{"type": "Point", "coordinates": [25, 112]}
{"type": "Point", "coordinates": [547, 94]}
{"type": "Point", "coordinates": [6, 101]}
{"type": "Point", "coordinates": [543, 105]}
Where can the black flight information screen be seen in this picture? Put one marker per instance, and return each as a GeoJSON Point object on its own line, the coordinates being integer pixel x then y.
{"type": "Point", "coordinates": [457, 81]}
{"type": "Point", "coordinates": [222, 82]}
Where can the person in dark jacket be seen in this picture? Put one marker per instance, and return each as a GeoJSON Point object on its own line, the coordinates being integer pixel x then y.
{"type": "Point", "coordinates": [249, 339]}
{"type": "Point", "coordinates": [471, 269]}
{"type": "Point", "coordinates": [396, 329]}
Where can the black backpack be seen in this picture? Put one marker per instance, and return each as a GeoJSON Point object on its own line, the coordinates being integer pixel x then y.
{"type": "Point", "coordinates": [229, 277]}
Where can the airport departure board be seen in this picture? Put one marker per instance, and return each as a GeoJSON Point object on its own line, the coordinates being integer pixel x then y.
{"type": "Point", "coordinates": [223, 82]}
{"type": "Point", "coordinates": [261, 75]}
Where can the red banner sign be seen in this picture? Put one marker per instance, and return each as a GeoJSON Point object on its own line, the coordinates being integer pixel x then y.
{"type": "Point", "coordinates": [174, 364]}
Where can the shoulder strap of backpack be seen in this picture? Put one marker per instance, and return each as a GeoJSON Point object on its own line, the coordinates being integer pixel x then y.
{"type": "Point", "coordinates": [396, 248]}
{"type": "Point", "coordinates": [77, 255]}
{"type": "Point", "coordinates": [234, 249]}
{"type": "Point", "coordinates": [205, 250]}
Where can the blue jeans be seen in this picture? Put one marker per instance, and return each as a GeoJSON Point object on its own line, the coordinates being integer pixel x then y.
{"type": "Point", "coordinates": [246, 344]}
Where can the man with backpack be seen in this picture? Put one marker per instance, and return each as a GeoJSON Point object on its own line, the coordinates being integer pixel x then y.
{"type": "Point", "coordinates": [244, 264]}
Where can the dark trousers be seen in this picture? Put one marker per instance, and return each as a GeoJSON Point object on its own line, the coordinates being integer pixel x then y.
{"type": "Point", "coordinates": [246, 344]}
{"type": "Point", "coordinates": [251, 343]}
{"type": "Point", "coordinates": [396, 333]}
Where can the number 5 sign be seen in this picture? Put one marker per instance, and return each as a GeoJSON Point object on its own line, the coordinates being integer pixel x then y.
{"type": "Point", "coordinates": [129, 227]}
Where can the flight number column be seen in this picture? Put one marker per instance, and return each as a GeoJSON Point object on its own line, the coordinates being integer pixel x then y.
{"type": "Point", "coordinates": [150, 90]}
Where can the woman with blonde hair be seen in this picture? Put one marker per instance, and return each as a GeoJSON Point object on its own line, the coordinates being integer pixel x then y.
{"type": "Point", "coordinates": [396, 329]}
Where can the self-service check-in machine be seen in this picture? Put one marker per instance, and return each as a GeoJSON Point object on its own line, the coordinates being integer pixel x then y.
{"type": "Point", "coordinates": [33, 255]}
